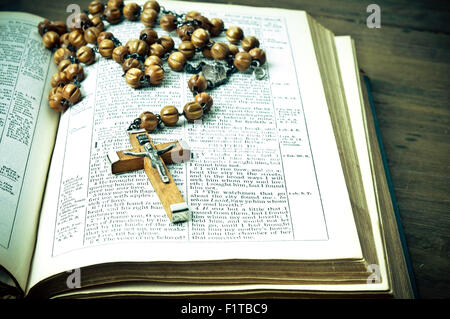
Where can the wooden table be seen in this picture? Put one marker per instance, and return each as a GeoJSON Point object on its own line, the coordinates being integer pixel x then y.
{"type": "Point", "coordinates": [408, 62]}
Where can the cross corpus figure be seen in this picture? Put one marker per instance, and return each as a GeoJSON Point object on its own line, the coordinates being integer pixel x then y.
{"type": "Point", "coordinates": [153, 159]}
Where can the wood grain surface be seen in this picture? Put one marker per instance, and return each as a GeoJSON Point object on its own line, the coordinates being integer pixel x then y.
{"type": "Point", "coordinates": [408, 62]}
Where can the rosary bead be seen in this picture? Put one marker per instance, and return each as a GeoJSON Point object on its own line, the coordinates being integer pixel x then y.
{"type": "Point", "coordinates": [148, 17]}
{"type": "Point", "coordinates": [155, 74]}
{"type": "Point", "coordinates": [44, 26]}
{"type": "Point", "coordinates": [91, 35]}
{"type": "Point", "coordinates": [249, 43]}
{"type": "Point", "coordinates": [115, 4]}
{"type": "Point", "coordinates": [167, 42]}
{"type": "Point", "coordinates": [61, 54]}
{"type": "Point", "coordinates": [191, 15]}
{"type": "Point", "coordinates": [106, 48]}
{"type": "Point", "coordinates": [157, 49]}
{"type": "Point", "coordinates": [234, 34]}
{"type": "Point", "coordinates": [50, 39]}
{"type": "Point", "coordinates": [242, 61]}
{"type": "Point", "coordinates": [95, 7]}
{"type": "Point", "coordinates": [137, 46]}
{"type": "Point", "coordinates": [204, 22]}
{"type": "Point", "coordinates": [97, 22]}
{"type": "Point", "coordinates": [197, 83]}
{"type": "Point", "coordinates": [119, 54]}
{"type": "Point", "coordinates": [64, 40]}
{"type": "Point", "coordinates": [176, 61]}
{"type": "Point", "coordinates": [76, 38]}
{"type": "Point", "coordinates": [259, 55]}
{"type": "Point", "coordinates": [148, 35]}
{"type": "Point", "coordinates": [59, 27]}
{"type": "Point", "coordinates": [233, 49]}
{"type": "Point", "coordinates": [62, 66]}
{"type": "Point", "coordinates": [131, 11]}
{"type": "Point", "coordinates": [86, 55]}
{"type": "Point", "coordinates": [200, 38]}
{"type": "Point", "coordinates": [152, 4]}
{"type": "Point", "coordinates": [216, 26]}
{"type": "Point", "coordinates": [149, 121]}
{"type": "Point", "coordinates": [205, 100]}
{"type": "Point", "coordinates": [193, 111]}
{"type": "Point", "coordinates": [207, 52]}
{"type": "Point", "coordinates": [71, 93]}
{"type": "Point", "coordinates": [220, 51]}
{"type": "Point", "coordinates": [58, 103]}
{"type": "Point", "coordinates": [112, 14]}
{"type": "Point", "coordinates": [105, 35]}
{"type": "Point", "coordinates": [59, 79]}
{"type": "Point", "coordinates": [185, 31]}
{"type": "Point", "coordinates": [134, 77]}
{"type": "Point", "coordinates": [153, 60]}
{"type": "Point", "coordinates": [55, 90]}
{"type": "Point", "coordinates": [75, 72]}
{"type": "Point", "coordinates": [187, 48]}
{"type": "Point", "coordinates": [169, 115]}
{"type": "Point", "coordinates": [130, 63]}
{"type": "Point", "coordinates": [168, 22]}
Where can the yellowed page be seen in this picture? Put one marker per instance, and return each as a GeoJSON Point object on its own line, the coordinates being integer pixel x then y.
{"type": "Point", "coordinates": [27, 128]}
{"type": "Point", "coordinates": [294, 148]}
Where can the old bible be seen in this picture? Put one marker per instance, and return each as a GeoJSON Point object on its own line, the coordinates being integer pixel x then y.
{"type": "Point", "coordinates": [286, 185]}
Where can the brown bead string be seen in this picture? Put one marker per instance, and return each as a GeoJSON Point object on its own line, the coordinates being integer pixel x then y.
{"type": "Point", "coordinates": [142, 59]}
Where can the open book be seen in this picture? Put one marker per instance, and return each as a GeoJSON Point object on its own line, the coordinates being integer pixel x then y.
{"type": "Point", "coordinates": [286, 184]}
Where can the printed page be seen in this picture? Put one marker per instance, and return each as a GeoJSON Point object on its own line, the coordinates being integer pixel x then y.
{"type": "Point", "coordinates": [265, 180]}
{"type": "Point", "coordinates": [27, 135]}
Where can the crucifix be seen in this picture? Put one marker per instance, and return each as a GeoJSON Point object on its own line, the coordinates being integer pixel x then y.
{"type": "Point", "coordinates": [153, 159]}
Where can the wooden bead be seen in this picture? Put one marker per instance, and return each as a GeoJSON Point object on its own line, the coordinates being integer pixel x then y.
{"type": "Point", "coordinates": [75, 72]}
{"type": "Point", "coordinates": [152, 4]}
{"type": "Point", "coordinates": [169, 115]}
{"type": "Point", "coordinates": [207, 52]}
{"type": "Point", "coordinates": [131, 11]}
{"type": "Point", "coordinates": [149, 121]}
{"type": "Point", "coordinates": [234, 34]}
{"type": "Point", "coordinates": [119, 54]}
{"type": "Point", "coordinates": [168, 22]}
{"type": "Point", "coordinates": [55, 90]}
{"type": "Point", "coordinates": [105, 35]}
{"type": "Point", "coordinates": [134, 77]}
{"type": "Point", "coordinates": [193, 111]}
{"type": "Point", "coordinates": [204, 22]}
{"type": "Point", "coordinates": [185, 31]}
{"type": "Point", "coordinates": [137, 46]}
{"type": "Point", "coordinates": [176, 61]}
{"type": "Point", "coordinates": [91, 34]}
{"type": "Point", "coordinates": [220, 51]}
{"type": "Point", "coordinates": [157, 49]}
{"type": "Point", "coordinates": [148, 35]}
{"type": "Point", "coordinates": [64, 40]}
{"type": "Point", "coordinates": [59, 79]}
{"type": "Point", "coordinates": [242, 61]}
{"type": "Point", "coordinates": [187, 48]}
{"type": "Point", "coordinates": [200, 38]}
{"type": "Point", "coordinates": [205, 100]}
{"type": "Point", "coordinates": [58, 103]}
{"type": "Point", "coordinates": [112, 14]}
{"type": "Point", "coordinates": [95, 7]}
{"type": "Point", "coordinates": [130, 63]}
{"type": "Point", "coordinates": [50, 39]}
{"type": "Point", "coordinates": [153, 60]}
{"type": "Point", "coordinates": [197, 83]}
{"type": "Point", "coordinates": [167, 42]}
{"type": "Point", "coordinates": [44, 26]}
{"type": "Point", "coordinates": [249, 43]}
{"type": "Point", "coordinates": [97, 22]}
{"type": "Point", "coordinates": [233, 49]}
{"type": "Point", "coordinates": [106, 48]}
{"type": "Point", "coordinates": [155, 74]}
{"type": "Point", "coordinates": [86, 55]}
{"type": "Point", "coordinates": [61, 54]}
{"type": "Point", "coordinates": [191, 15]}
{"type": "Point", "coordinates": [76, 38]}
{"type": "Point", "coordinates": [216, 26]}
{"type": "Point", "coordinates": [62, 66]}
{"type": "Point", "coordinates": [115, 4]}
{"type": "Point", "coordinates": [59, 27]}
{"type": "Point", "coordinates": [148, 17]}
{"type": "Point", "coordinates": [71, 93]}
{"type": "Point", "coordinates": [259, 55]}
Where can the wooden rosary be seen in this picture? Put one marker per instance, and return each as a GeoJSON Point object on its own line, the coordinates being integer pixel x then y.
{"type": "Point", "coordinates": [142, 59]}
